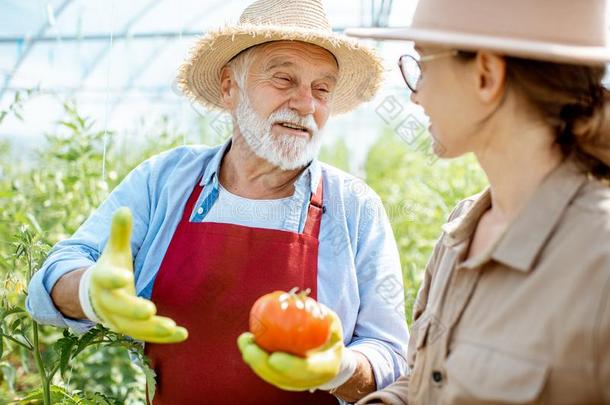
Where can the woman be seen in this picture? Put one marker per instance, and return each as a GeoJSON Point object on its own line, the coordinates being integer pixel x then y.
{"type": "Point", "coordinates": [515, 302]}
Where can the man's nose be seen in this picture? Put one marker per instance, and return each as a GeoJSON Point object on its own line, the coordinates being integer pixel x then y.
{"type": "Point", "coordinates": [302, 101]}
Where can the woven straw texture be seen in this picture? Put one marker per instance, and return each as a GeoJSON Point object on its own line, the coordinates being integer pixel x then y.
{"type": "Point", "coordinates": [360, 70]}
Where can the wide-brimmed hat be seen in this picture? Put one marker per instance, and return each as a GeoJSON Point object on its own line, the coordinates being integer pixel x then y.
{"type": "Point", "coordinates": [360, 70]}
{"type": "Point", "coordinates": [563, 31]}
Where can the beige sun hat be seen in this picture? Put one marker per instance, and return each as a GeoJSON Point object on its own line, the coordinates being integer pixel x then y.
{"type": "Point", "coordinates": [564, 31]}
{"type": "Point", "coordinates": [360, 70]}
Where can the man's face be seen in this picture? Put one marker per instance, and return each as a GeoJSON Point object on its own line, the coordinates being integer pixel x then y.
{"type": "Point", "coordinates": [286, 102]}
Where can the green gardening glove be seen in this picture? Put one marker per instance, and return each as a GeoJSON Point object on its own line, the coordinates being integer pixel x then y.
{"type": "Point", "coordinates": [294, 373]}
{"type": "Point", "coordinates": [107, 291]}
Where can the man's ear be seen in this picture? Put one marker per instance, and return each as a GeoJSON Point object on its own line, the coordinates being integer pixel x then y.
{"type": "Point", "coordinates": [228, 89]}
{"type": "Point", "coordinates": [491, 76]}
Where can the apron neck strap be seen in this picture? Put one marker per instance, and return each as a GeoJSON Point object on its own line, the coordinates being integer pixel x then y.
{"type": "Point", "coordinates": [314, 214]}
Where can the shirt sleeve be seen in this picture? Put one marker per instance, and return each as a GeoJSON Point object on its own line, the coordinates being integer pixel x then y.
{"type": "Point", "coordinates": [381, 331]}
{"type": "Point", "coordinates": [395, 394]}
{"type": "Point", "coordinates": [421, 300]}
{"type": "Point", "coordinates": [85, 246]}
{"type": "Point", "coordinates": [386, 258]}
{"type": "Point", "coordinates": [602, 338]}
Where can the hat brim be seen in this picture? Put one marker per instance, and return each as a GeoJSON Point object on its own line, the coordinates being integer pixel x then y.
{"type": "Point", "coordinates": [360, 70]}
{"type": "Point", "coordinates": [547, 51]}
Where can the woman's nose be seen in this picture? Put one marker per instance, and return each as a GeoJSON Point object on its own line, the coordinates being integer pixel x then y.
{"type": "Point", "coordinates": [414, 98]}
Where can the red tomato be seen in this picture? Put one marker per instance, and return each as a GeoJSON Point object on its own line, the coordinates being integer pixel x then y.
{"type": "Point", "coordinates": [289, 322]}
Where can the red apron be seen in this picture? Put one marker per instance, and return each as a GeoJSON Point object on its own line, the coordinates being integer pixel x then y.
{"type": "Point", "coordinates": [209, 278]}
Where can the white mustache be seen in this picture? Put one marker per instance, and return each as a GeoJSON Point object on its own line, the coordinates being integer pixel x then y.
{"type": "Point", "coordinates": [284, 150]}
{"type": "Point", "coordinates": [286, 115]}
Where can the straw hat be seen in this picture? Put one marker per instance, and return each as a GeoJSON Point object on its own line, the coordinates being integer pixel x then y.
{"type": "Point", "coordinates": [565, 31]}
{"type": "Point", "coordinates": [360, 70]}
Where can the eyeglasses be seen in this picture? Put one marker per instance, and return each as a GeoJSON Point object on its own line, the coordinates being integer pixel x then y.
{"type": "Point", "coordinates": [410, 67]}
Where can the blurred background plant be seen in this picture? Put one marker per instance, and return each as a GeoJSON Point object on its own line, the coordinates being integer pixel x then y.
{"type": "Point", "coordinates": [46, 196]}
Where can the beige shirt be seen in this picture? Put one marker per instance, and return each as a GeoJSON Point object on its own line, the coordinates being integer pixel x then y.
{"type": "Point", "coordinates": [528, 322]}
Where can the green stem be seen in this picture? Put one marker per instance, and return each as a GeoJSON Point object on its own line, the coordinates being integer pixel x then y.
{"type": "Point", "coordinates": [29, 264]}
{"type": "Point", "coordinates": [46, 382]}
{"type": "Point", "coordinates": [52, 373]}
{"type": "Point", "coordinates": [46, 389]}
{"type": "Point", "coordinates": [27, 341]}
{"type": "Point", "coordinates": [95, 342]}
{"type": "Point", "coordinates": [12, 339]}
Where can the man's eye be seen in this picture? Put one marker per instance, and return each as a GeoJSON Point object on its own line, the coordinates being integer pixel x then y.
{"type": "Point", "coordinates": [282, 79]}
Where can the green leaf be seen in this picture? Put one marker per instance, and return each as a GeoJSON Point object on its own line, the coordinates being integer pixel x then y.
{"type": "Point", "coordinates": [25, 328]}
{"type": "Point", "coordinates": [34, 222]}
{"type": "Point", "coordinates": [9, 374]}
{"type": "Point", "coordinates": [25, 355]}
{"type": "Point", "coordinates": [96, 398]}
{"type": "Point", "coordinates": [64, 346]}
{"type": "Point", "coordinates": [15, 324]}
{"type": "Point", "coordinates": [69, 125]}
{"type": "Point", "coordinates": [20, 251]}
{"type": "Point", "coordinates": [58, 395]}
{"type": "Point", "coordinates": [151, 383]}
{"type": "Point", "coordinates": [64, 358]}
{"type": "Point", "coordinates": [10, 311]}
{"type": "Point", "coordinates": [33, 397]}
{"type": "Point", "coordinates": [86, 340]}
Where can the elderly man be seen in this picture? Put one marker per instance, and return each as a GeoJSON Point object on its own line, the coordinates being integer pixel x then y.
{"type": "Point", "coordinates": [215, 228]}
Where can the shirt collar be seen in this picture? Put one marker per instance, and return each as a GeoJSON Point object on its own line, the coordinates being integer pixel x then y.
{"type": "Point", "coordinates": [525, 238]}
{"type": "Point", "coordinates": [461, 228]}
{"type": "Point", "coordinates": [213, 167]}
{"type": "Point", "coordinates": [309, 178]}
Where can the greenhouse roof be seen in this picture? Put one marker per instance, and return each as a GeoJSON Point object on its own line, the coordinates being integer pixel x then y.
{"type": "Point", "coordinates": [118, 59]}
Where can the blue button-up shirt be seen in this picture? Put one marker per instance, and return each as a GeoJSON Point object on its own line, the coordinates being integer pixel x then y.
{"type": "Point", "coordinates": [359, 275]}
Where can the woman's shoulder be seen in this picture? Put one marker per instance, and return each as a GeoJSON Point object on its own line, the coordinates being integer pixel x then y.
{"type": "Point", "coordinates": [465, 205]}
{"type": "Point", "coordinates": [594, 198]}
{"type": "Point", "coordinates": [587, 222]}
{"type": "Point", "coordinates": [591, 208]}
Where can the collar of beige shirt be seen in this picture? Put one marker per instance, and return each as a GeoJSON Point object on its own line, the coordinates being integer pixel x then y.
{"type": "Point", "coordinates": [523, 240]}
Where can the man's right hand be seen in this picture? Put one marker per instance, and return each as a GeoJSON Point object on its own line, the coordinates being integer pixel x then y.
{"type": "Point", "coordinates": [107, 291]}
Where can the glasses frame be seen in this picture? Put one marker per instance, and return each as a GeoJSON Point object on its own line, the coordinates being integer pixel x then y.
{"type": "Point", "coordinates": [418, 61]}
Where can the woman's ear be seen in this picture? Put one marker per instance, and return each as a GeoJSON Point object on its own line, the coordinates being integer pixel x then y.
{"type": "Point", "coordinates": [228, 89]}
{"type": "Point", "coordinates": [491, 76]}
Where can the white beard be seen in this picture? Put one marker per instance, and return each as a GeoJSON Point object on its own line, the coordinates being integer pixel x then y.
{"type": "Point", "coordinates": [286, 151]}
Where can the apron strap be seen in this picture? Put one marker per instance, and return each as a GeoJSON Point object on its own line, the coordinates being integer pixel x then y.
{"type": "Point", "coordinates": [314, 213]}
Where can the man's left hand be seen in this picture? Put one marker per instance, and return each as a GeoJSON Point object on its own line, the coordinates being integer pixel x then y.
{"type": "Point", "coordinates": [319, 370]}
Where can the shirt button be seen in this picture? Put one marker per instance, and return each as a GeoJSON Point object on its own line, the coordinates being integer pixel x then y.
{"type": "Point", "coordinates": [200, 211]}
{"type": "Point", "coordinates": [437, 376]}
